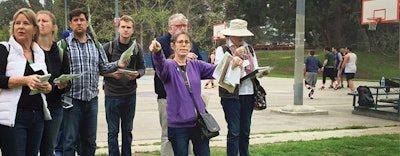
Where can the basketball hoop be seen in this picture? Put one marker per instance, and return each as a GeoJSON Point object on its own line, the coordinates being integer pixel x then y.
{"type": "Point", "coordinates": [374, 22]}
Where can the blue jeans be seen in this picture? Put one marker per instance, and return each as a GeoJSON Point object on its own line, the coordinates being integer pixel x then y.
{"type": "Point", "coordinates": [180, 137]}
{"type": "Point", "coordinates": [50, 132]}
{"type": "Point", "coordinates": [120, 108]}
{"type": "Point", "coordinates": [27, 133]}
{"type": "Point", "coordinates": [238, 114]}
{"type": "Point", "coordinates": [5, 135]}
{"type": "Point", "coordinates": [80, 124]}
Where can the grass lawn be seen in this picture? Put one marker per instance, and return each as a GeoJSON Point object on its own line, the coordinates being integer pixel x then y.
{"type": "Point", "coordinates": [387, 145]}
{"type": "Point", "coordinates": [370, 66]}
{"type": "Point", "coordinates": [382, 145]}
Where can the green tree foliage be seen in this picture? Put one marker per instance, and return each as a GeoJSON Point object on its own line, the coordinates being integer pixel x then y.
{"type": "Point", "coordinates": [327, 23]}
{"type": "Point", "coordinates": [8, 8]}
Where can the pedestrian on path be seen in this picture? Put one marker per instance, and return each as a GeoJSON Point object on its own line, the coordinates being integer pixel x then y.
{"type": "Point", "coordinates": [89, 59]}
{"type": "Point", "coordinates": [57, 64]}
{"type": "Point", "coordinates": [350, 68]}
{"type": "Point", "coordinates": [175, 74]}
{"type": "Point", "coordinates": [311, 68]}
{"type": "Point", "coordinates": [120, 88]}
{"type": "Point", "coordinates": [176, 22]}
{"type": "Point", "coordinates": [238, 106]}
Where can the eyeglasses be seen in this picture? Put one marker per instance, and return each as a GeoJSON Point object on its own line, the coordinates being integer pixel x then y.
{"type": "Point", "coordinates": [180, 26]}
{"type": "Point", "coordinates": [183, 41]}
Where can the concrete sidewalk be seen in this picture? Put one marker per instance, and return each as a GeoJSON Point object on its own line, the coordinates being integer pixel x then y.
{"type": "Point", "coordinates": [147, 131]}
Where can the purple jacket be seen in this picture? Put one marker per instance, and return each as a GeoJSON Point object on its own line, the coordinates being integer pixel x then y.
{"type": "Point", "coordinates": [180, 109]}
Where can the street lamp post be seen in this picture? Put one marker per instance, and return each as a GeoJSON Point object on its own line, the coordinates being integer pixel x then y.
{"type": "Point", "coordinates": [65, 15]}
{"type": "Point", "coordinates": [116, 16]}
{"type": "Point", "coordinates": [299, 53]}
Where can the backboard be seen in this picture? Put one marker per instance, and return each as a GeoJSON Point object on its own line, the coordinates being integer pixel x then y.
{"type": "Point", "coordinates": [386, 11]}
{"type": "Point", "coordinates": [217, 28]}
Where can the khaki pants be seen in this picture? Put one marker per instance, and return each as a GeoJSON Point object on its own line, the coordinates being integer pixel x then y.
{"type": "Point", "coordinates": [166, 147]}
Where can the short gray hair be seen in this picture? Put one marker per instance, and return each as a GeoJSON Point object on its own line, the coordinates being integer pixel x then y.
{"type": "Point", "coordinates": [177, 17]}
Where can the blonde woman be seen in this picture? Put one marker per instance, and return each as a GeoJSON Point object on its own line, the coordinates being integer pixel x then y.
{"type": "Point", "coordinates": [57, 64]}
{"type": "Point", "coordinates": [22, 115]}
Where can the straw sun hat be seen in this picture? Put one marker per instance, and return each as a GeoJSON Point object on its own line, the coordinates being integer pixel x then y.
{"type": "Point", "coordinates": [237, 27]}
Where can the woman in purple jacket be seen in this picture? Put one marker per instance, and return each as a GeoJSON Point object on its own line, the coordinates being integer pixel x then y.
{"type": "Point", "coordinates": [181, 113]}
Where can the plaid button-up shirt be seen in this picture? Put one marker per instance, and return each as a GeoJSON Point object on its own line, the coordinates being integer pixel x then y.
{"type": "Point", "coordinates": [86, 58]}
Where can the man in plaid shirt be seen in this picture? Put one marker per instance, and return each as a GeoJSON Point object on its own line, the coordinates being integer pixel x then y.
{"type": "Point", "coordinates": [86, 58]}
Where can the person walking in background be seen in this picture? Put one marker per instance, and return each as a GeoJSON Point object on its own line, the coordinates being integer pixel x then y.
{"type": "Point", "coordinates": [336, 68]}
{"type": "Point", "coordinates": [350, 68]}
{"type": "Point", "coordinates": [327, 68]}
{"type": "Point", "coordinates": [238, 106]}
{"type": "Point", "coordinates": [311, 68]}
{"type": "Point", "coordinates": [176, 22]}
{"type": "Point", "coordinates": [210, 83]}
{"type": "Point", "coordinates": [341, 74]}
{"type": "Point", "coordinates": [80, 121]}
{"type": "Point", "coordinates": [181, 115]}
{"type": "Point", "coordinates": [22, 62]}
{"type": "Point", "coordinates": [120, 88]}
{"type": "Point", "coordinates": [57, 64]}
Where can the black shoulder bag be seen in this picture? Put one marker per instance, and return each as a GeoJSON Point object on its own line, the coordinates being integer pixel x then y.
{"type": "Point", "coordinates": [208, 126]}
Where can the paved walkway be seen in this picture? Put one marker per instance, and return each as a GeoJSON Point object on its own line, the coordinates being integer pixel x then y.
{"type": "Point", "coordinates": [147, 131]}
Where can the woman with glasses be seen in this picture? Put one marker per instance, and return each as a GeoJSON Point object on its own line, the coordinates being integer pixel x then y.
{"type": "Point", "coordinates": [181, 111]}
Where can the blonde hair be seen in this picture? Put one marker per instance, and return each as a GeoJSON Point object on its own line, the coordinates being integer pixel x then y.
{"type": "Point", "coordinates": [126, 18]}
{"type": "Point", "coordinates": [53, 20]}
{"type": "Point", "coordinates": [31, 16]}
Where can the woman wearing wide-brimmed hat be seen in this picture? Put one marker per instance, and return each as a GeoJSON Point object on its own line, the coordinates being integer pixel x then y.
{"type": "Point", "coordinates": [238, 106]}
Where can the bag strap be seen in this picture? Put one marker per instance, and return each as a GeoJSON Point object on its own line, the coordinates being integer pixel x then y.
{"type": "Point", "coordinates": [226, 49]}
{"type": "Point", "coordinates": [183, 73]}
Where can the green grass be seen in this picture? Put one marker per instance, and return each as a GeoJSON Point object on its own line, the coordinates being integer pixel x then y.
{"type": "Point", "coordinates": [385, 145]}
{"type": "Point", "coordinates": [370, 66]}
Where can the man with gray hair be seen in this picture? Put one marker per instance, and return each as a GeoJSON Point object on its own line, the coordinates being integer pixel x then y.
{"type": "Point", "coordinates": [176, 22]}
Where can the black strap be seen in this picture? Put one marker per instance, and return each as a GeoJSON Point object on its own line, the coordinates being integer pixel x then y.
{"type": "Point", "coordinates": [226, 49]}
{"type": "Point", "coordinates": [183, 73]}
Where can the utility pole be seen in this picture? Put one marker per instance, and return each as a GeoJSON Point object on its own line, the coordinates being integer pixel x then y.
{"type": "Point", "coordinates": [298, 108]}
{"type": "Point", "coordinates": [65, 15]}
{"type": "Point", "coordinates": [299, 53]}
{"type": "Point", "coordinates": [116, 17]}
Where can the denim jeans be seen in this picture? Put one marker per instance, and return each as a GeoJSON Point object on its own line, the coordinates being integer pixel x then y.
{"type": "Point", "coordinates": [80, 124]}
{"type": "Point", "coordinates": [50, 132]}
{"type": "Point", "coordinates": [238, 114]}
{"type": "Point", "coordinates": [27, 133]}
{"type": "Point", "coordinates": [180, 137]}
{"type": "Point", "coordinates": [120, 108]}
{"type": "Point", "coordinates": [5, 135]}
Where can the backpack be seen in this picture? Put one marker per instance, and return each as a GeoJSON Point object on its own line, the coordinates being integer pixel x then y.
{"type": "Point", "coordinates": [365, 97]}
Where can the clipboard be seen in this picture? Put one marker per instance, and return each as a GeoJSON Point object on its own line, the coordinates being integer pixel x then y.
{"type": "Point", "coordinates": [221, 82]}
{"type": "Point", "coordinates": [256, 73]}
